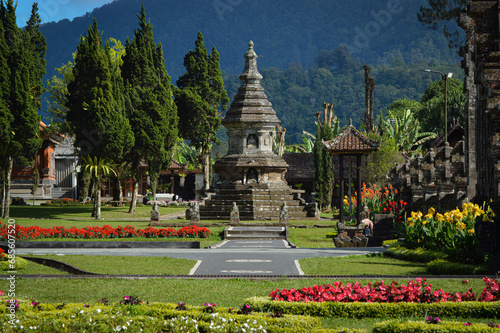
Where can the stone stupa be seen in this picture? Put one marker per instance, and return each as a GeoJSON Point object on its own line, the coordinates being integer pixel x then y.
{"type": "Point", "coordinates": [251, 174]}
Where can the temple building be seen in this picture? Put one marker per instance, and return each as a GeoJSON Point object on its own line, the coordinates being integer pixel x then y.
{"type": "Point", "coordinates": [251, 174]}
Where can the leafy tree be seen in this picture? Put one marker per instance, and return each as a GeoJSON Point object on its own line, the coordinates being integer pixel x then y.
{"type": "Point", "coordinates": [6, 117]}
{"type": "Point", "coordinates": [381, 161]}
{"type": "Point", "coordinates": [23, 54]}
{"type": "Point", "coordinates": [199, 97]}
{"type": "Point", "coordinates": [96, 104]}
{"type": "Point", "coordinates": [153, 113]}
{"type": "Point", "coordinates": [431, 114]}
{"type": "Point", "coordinates": [399, 107]}
{"type": "Point", "coordinates": [440, 11]}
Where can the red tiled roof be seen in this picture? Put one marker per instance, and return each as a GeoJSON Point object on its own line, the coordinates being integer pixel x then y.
{"type": "Point", "coordinates": [350, 141]}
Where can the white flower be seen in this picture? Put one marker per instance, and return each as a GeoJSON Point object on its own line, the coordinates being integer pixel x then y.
{"type": "Point", "coordinates": [118, 328]}
{"type": "Point", "coordinates": [98, 310]}
{"type": "Point", "coordinates": [254, 322]}
{"type": "Point", "coordinates": [124, 327]}
{"type": "Point", "coordinates": [90, 319]}
{"type": "Point", "coordinates": [81, 311]}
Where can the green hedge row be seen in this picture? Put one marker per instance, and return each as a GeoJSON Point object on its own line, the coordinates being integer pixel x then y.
{"type": "Point", "coordinates": [436, 263]}
{"type": "Point", "coordinates": [153, 317]}
{"type": "Point", "coordinates": [395, 326]}
{"type": "Point", "coordinates": [418, 255]}
{"type": "Point", "coordinates": [444, 267]}
{"type": "Point", "coordinates": [378, 310]}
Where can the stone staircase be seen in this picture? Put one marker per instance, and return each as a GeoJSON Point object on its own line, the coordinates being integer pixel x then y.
{"type": "Point", "coordinates": [250, 233]}
{"type": "Point", "coordinates": [253, 204]}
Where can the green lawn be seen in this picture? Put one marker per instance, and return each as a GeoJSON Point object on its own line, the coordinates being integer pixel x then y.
{"type": "Point", "coordinates": [85, 211]}
{"type": "Point", "coordinates": [114, 265]}
{"type": "Point", "coordinates": [223, 292]}
{"type": "Point", "coordinates": [361, 265]}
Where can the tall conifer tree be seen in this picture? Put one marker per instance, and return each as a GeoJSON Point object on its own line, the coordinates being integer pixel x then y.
{"type": "Point", "coordinates": [152, 111]}
{"type": "Point", "coordinates": [199, 97]}
{"type": "Point", "coordinates": [97, 106]}
{"type": "Point", "coordinates": [24, 140]}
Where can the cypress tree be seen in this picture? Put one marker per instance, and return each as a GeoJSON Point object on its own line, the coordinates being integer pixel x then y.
{"type": "Point", "coordinates": [6, 117]}
{"type": "Point", "coordinates": [25, 121]}
{"type": "Point", "coordinates": [152, 111]}
{"type": "Point", "coordinates": [199, 97]}
{"type": "Point", "coordinates": [96, 105]}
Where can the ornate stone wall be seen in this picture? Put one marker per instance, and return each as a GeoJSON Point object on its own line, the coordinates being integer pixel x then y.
{"type": "Point", "coordinates": [437, 179]}
{"type": "Point", "coordinates": [482, 84]}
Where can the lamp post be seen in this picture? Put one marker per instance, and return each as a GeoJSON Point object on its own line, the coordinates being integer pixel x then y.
{"type": "Point", "coordinates": [445, 78]}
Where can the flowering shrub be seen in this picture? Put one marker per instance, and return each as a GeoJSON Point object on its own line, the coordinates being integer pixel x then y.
{"type": "Point", "coordinates": [415, 291]}
{"type": "Point", "coordinates": [61, 202]}
{"type": "Point", "coordinates": [209, 308]}
{"type": "Point", "coordinates": [378, 201]}
{"type": "Point", "coordinates": [90, 232]}
{"type": "Point", "coordinates": [452, 232]}
{"type": "Point", "coordinates": [3, 256]}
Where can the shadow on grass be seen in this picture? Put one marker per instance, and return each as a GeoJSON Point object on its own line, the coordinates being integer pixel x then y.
{"type": "Point", "coordinates": [51, 212]}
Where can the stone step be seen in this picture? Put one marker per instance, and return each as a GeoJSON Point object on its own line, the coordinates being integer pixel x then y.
{"type": "Point", "coordinates": [255, 233]}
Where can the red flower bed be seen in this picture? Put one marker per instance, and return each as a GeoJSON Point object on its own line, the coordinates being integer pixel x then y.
{"type": "Point", "coordinates": [415, 291]}
{"type": "Point", "coordinates": [35, 232]}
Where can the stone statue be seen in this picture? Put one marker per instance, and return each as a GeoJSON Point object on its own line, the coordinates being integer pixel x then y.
{"type": "Point", "coordinates": [155, 211]}
{"type": "Point", "coordinates": [195, 211]}
{"type": "Point", "coordinates": [235, 214]}
{"type": "Point", "coordinates": [284, 213]}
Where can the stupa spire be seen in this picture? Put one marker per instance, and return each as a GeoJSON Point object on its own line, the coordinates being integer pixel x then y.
{"type": "Point", "coordinates": [250, 73]}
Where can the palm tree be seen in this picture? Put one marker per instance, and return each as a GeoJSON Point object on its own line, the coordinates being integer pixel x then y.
{"type": "Point", "coordinates": [98, 167]}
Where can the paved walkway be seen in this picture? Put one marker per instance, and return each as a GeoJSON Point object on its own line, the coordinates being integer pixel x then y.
{"type": "Point", "coordinates": [236, 257]}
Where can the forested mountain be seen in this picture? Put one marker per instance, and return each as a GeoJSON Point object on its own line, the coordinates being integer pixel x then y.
{"type": "Point", "coordinates": [298, 46]}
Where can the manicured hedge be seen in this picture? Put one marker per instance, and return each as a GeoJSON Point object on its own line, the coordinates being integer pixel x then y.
{"type": "Point", "coordinates": [395, 326]}
{"type": "Point", "coordinates": [19, 264]}
{"type": "Point", "coordinates": [418, 255]}
{"type": "Point", "coordinates": [153, 317]}
{"type": "Point", "coordinates": [378, 310]}
{"type": "Point", "coordinates": [444, 267]}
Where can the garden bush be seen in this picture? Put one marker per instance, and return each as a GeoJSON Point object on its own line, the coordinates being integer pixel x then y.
{"type": "Point", "coordinates": [378, 310]}
{"type": "Point", "coordinates": [398, 326]}
{"type": "Point", "coordinates": [444, 267]}
{"type": "Point", "coordinates": [153, 317]}
{"type": "Point", "coordinates": [418, 255]}
{"type": "Point", "coordinates": [452, 232]}
{"type": "Point", "coordinates": [91, 232]}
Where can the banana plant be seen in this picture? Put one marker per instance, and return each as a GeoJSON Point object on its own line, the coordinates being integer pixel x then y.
{"type": "Point", "coordinates": [405, 130]}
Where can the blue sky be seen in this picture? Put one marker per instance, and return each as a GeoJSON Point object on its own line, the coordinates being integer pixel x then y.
{"type": "Point", "coordinates": [55, 10]}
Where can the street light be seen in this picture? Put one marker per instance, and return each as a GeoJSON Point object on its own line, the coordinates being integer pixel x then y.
{"type": "Point", "coordinates": [445, 78]}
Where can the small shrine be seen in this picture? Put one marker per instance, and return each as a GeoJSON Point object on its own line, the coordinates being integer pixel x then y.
{"type": "Point", "coordinates": [350, 146]}
{"type": "Point", "coordinates": [251, 176]}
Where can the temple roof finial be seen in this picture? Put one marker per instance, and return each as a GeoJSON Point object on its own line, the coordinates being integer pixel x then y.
{"type": "Point", "coordinates": [251, 73]}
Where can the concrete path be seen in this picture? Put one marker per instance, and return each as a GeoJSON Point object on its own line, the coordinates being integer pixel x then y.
{"type": "Point", "coordinates": [262, 257]}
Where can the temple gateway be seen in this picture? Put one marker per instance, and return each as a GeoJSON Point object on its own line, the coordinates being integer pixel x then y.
{"type": "Point", "coordinates": [251, 174]}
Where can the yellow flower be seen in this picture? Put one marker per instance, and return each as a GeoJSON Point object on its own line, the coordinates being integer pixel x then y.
{"type": "Point", "coordinates": [431, 211]}
{"type": "Point", "coordinates": [471, 231]}
{"type": "Point", "coordinates": [440, 217]}
{"type": "Point", "coordinates": [424, 222]}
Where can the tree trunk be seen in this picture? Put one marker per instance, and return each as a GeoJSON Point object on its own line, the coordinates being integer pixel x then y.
{"type": "Point", "coordinates": [206, 170]}
{"type": "Point", "coordinates": [94, 196]}
{"type": "Point", "coordinates": [2, 193]}
{"type": "Point", "coordinates": [133, 202]}
{"type": "Point", "coordinates": [6, 199]}
{"type": "Point", "coordinates": [98, 200]}
{"type": "Point", "coordinates": [120, 190]}
{"type": "Point", "coordinates": [84, 190]}
{"type": "Point", "coordinates": [154, 185]}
